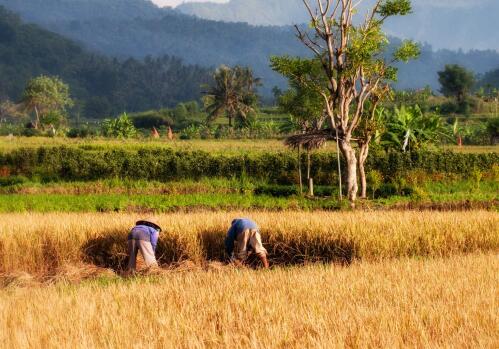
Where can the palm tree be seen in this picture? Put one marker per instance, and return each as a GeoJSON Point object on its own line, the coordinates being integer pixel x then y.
{"type": "Point", "coordinates": [233, 94]}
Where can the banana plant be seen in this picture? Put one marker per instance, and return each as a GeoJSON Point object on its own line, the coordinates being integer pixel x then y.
{"type": "Point", "coordinates": [409, 128]}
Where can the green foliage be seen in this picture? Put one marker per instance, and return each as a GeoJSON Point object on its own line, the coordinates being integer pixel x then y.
{"type": "Point", "coordinates": [475, 133]}
{"type": "Point", "coordinates": [80, 132]}
{"type": "Point", "coordinates": [493, 129]}
{"type": "Point", "coordinates": [390, 8]}
{"type": "Point", "coordinates": [303, 100]}
{"type": "Point", "coordinates": [374, 180]}
{"type": "Point", "coordinates": [121, 127]}
{"type": "Point", "coordinates": [148, 120]}
{"type": "Point", "coordinates": [31, 132]}
{"type": "Point", "coordinates": [409, 129]}
{"type": "Point", "coordinates": [12, 181]}
{"type": "Point", "coordinates": [456, 81]}
{"type": "Point", "coordinates": [365, 44]}
{"type": "Point", "coordinates": [253, 130]}
{"type": "Point", "coordinates": [490, 83]}
{"type": "Point", "coordinates": [54, 118]}
{"type": "Point", "coordinates": [406, 51]}
{"type": "Point", "coordinates": [70, 164]}
{"type": "Point", "coordinates": [48, 97]}
{"type": "Point", "coordinates": [277, 190]}
{"type": "Point", "coordinates": [495, 173]}
{"type": "Point", "coordinates": [414, 97]}
{"type": "Point", "coordinates": [476, 176]}
{"type": "Point", "coordinates": [232, 94]}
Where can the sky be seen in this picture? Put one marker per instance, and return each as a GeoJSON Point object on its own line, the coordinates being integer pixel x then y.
{"type": "Point", "coordinates": [174, 3]}
{"type": "Point", "coordinates": [433, 3]}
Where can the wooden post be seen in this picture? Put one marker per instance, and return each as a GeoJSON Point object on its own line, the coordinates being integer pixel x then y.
{"type": "Point", "coordinates": [308, 163]}
{"type": "Point", "coordinates": [311, 187]}
{"type": "Point", "coordinates": [310, 180]}
{"type": "Point", "coordinates": [299, 170]}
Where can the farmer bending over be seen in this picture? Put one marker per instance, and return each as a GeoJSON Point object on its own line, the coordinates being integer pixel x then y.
{"type": "Point", "coordinates": [144, 237]}
{"type": "Point", "coordinates": [244, 234]}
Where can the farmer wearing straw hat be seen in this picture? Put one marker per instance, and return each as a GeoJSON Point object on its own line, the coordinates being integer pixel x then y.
{"type": "Point", "coordinates": [242, 239]}
{"type": "Point", "coordinates": [144, 237]}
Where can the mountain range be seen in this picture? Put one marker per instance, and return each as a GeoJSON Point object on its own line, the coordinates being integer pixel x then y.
{"type": "Point", "coordinates": [101, 86]}
{"type": "Point", "coordinates": [138, 28]}
{"type": "Point", "coordinates": [444, 24]}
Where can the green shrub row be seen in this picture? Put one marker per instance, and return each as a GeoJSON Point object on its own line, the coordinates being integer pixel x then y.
{"type": "Point", "coordinates": [70, 164]}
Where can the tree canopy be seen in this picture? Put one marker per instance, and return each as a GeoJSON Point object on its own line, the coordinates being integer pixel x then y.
{"type": "Point", "coordinates": [302, 101]}
{"type": "Point", "coordinates": [456, 81]}
{"type": "Point", "coordinates": [45, 95]}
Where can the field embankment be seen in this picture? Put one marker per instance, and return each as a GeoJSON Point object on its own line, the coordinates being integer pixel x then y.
{"type": "Point", "coordinates": [408, 303]}
{"type": "Point", "coordinates": [44, 244]}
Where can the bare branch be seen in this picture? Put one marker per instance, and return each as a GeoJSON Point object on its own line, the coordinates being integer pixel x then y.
{"type": "Point", "coordinates": [305, 39]}
{"type": "Point", "coordinates": [335, 10]}
{"type": "Point", "coordinates": [309, 9]}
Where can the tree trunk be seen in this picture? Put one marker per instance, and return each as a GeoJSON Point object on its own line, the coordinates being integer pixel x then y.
{"type": "Point", "coordinates": [37, 122]}
{"type": "Point", "coordinates": [351, 162]}
{"type": "Point", "coordinates": [230, 120]}
{"type": "Point", "coordinates": [363, 152]}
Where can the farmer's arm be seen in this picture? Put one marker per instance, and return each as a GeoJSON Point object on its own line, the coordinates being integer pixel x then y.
{"type": "Point", "coordinates": [229, 241]}
{"type": "Point", "coordinates": [154, 238]}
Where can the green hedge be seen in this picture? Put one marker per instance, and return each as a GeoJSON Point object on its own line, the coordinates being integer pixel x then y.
{"type": "Point", "coordinates": [69, 164]}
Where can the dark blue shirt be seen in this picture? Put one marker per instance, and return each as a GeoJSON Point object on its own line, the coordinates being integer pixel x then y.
{"type": "Point", "coordinates": [145, 233]}
{"type": "Point", "coordinates": [238, 226]}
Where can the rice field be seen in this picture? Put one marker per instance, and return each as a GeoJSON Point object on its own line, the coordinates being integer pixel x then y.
{"type": "Point", "coordinates": [405, 303]}
{"type": "Point", "coordinates": [380, 279]}
{"type": "Point", "coordinates": [42, 244]}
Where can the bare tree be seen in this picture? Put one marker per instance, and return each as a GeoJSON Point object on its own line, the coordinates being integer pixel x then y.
{"type": "Point", "coordinates": [351, 56]}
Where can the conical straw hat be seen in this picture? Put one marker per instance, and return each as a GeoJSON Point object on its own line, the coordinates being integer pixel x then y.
{"type": "Point", "coordinates": [150, 222]}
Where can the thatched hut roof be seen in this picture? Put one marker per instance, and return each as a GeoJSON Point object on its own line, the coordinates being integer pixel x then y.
{"type": "Point", "coordinates": [309, 140]}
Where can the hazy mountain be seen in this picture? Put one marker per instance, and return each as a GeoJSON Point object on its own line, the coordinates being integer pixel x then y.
{"type": "Point", "coordinates": [102, 86]}
{"type": "Point", "coordinates": [49, 11]}
{"type": "Point", "coordinates": [143, 29]}
{"type": "Point", "coordinates": [256, 12]}
{"type": "Point", "coordinates": [450, 24]}
{"type": "Point", "coordinates": [196, 41]}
